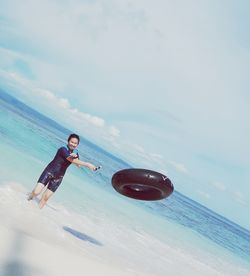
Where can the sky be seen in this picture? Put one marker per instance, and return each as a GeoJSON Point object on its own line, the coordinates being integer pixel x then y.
{"type": "Point", "coordinates": [162, 84]}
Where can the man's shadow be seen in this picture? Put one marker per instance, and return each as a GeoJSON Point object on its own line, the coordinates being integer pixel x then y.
{"type": "Point", "coordinates": [82, 236]}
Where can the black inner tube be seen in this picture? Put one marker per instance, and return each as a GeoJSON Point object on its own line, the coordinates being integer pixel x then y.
{"type": "Point", "coordinates": [143, 192]}
{"type": "Point", "coordinates": [142, 184]}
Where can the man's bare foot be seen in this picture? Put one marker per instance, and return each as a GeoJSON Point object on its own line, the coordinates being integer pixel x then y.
{"type": "Point", "coordinates": [30, 196]}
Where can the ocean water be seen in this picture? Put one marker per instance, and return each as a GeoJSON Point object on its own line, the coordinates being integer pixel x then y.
{"type": "Point", "coordinates": [176, 235]}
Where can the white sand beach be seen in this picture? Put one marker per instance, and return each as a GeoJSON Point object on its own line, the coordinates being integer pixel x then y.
{"type": "Point", "coordinates": [56, 241]}
{"type": "Point", "coordinates": [33, 243]}
{"type": "Point", "coordinates": [23, 255]}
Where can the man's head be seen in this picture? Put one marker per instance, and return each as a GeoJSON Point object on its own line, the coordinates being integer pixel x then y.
{"type": "Point", "coordinates": [73, 141]}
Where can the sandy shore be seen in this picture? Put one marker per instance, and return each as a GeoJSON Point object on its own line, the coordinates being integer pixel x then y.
{"type": "Point", "coordinates": [36, 242]}
{"type": "Point", "coordinates": [56, 241]}
{"type": "Point", "coordinates": [23, 255]}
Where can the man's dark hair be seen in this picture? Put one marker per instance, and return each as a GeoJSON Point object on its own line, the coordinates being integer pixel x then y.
{"type": "Point", "coordinates": [73, 135]}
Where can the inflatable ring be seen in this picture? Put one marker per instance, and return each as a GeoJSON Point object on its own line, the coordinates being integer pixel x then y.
{"type": "Point", "coordinates": [142, 184]}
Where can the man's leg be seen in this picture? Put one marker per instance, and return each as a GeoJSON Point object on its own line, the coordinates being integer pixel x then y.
{"type": "Point", "coordinates": [52, 187]}
{"type": "Point", "coordinates": [46, 195]}
{"type": "Point", "coordinates": [36, 191]}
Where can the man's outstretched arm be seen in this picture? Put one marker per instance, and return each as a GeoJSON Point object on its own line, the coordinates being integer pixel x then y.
{"type": "Point", "coordinates": [82, 163]}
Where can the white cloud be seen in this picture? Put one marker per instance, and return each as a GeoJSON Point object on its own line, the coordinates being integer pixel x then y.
{"type": "Point", "coordinates": [65, 105]}
{"type": "Point", "coordinates": [97, 121]}
{"type": "Point", "coordinates": [138, 148]}
{"type": "Point", "coordinates": [179, 167]}
{"type": "Point", "coordinates": [239, 197]}
{"type": "Point", "coordinates": [157, 157]}
{"type": "Point", "coordinates": [61, 105]}
{"type": "Point", "coordinates": [219, 185]}
{"type": "Point", "coordinates": [204, 194]}
{"type": "Point", "coordinates": [46, 94]}
{"type": "Point", "coordinates": [115, 132]}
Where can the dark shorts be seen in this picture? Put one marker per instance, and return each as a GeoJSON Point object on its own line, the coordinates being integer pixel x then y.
{"type": "Point", "coordinates": [52, 181]}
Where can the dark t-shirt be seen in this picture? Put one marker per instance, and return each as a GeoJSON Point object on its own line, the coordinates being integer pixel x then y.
{"type": "Point", "coordinates": [59, 164]}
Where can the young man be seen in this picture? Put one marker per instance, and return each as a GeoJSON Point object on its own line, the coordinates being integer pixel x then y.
{"type": "Point", "coordinates": [54, 172]}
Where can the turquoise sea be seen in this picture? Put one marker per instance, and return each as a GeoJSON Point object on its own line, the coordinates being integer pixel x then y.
{"type": "Point", "coordinates": [176, 235]}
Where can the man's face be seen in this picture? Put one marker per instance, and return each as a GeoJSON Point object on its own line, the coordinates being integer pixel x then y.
{"type": "Point", "coordinates": [73, 143]}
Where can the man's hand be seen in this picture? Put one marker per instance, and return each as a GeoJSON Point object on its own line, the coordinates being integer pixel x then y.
{"type": "Point", "coordinates": [92, 167]}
